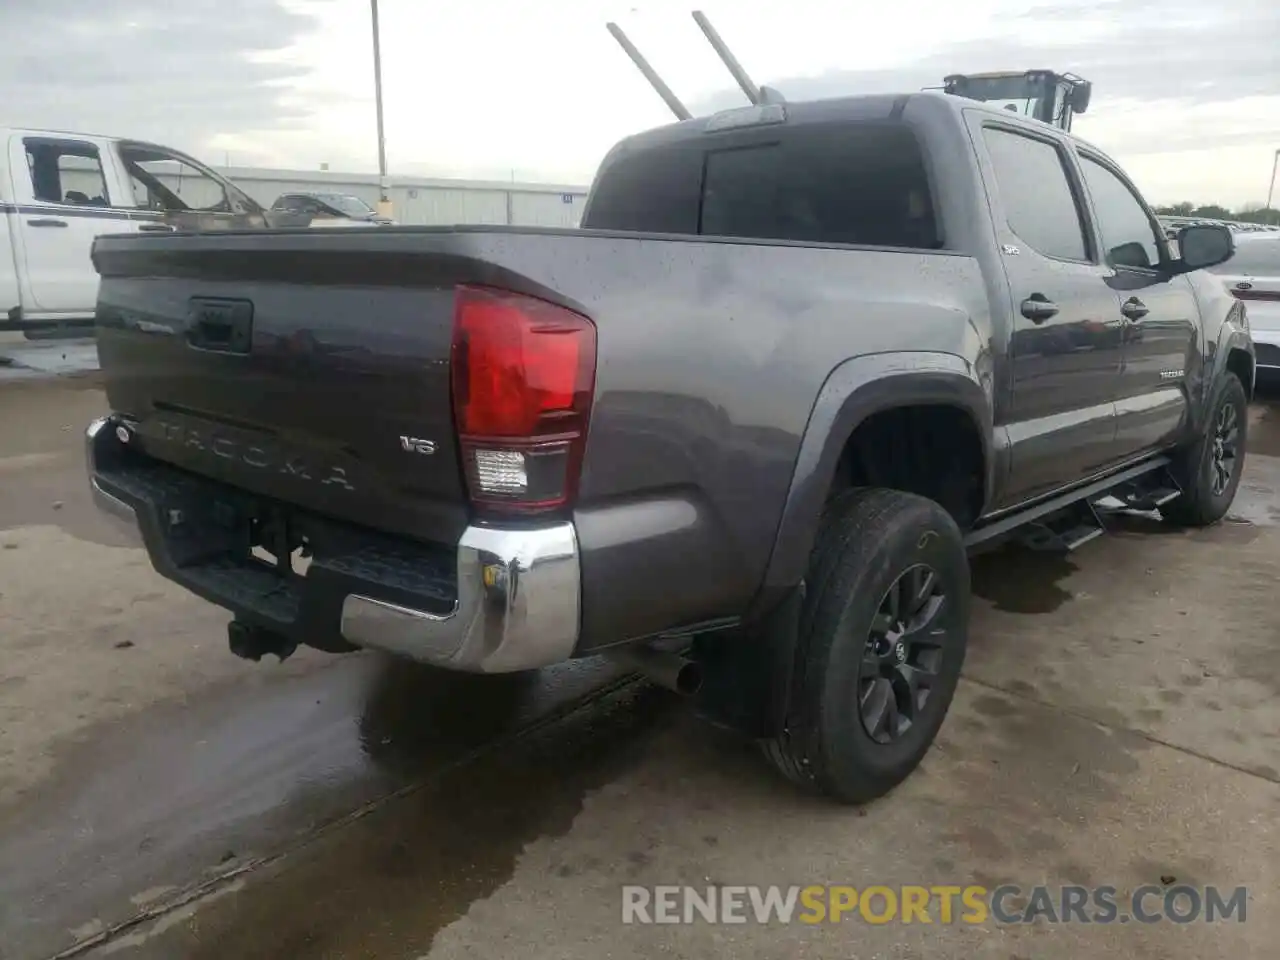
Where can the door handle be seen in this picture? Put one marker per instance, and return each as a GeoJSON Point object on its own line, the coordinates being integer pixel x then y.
{"type": "Point", "coordinates": [46, 222]}
{"type": "Point", "coordinates": [156, 228]}
{"type": "Point", "coordinates": [1038, 308]}
{"type": "Point", "coordinates": [1134, 309]}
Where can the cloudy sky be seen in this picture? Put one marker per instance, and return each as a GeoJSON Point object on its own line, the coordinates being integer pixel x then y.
{"type": "Point", "coordinates": [1186, 94]}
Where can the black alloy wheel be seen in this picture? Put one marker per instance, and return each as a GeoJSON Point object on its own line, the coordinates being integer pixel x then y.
{"type": "Point", "coordinates": [1224, 449]}
{"type": "Point", "coordinates": [902, 656]}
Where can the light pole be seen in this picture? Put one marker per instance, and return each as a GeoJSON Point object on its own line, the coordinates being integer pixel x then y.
{"type": "Point", "coordinates": [384, 202]}
{"type": "Point", "coordinates": [1271, 189]}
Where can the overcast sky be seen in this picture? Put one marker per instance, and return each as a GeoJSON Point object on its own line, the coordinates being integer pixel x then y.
{"type": "Point", "coordinates": [1186, 94]}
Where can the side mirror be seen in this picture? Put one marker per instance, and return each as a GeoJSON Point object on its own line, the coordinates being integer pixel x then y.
{"type": "Point", "coordinates": [1204, 245]}
{"type": "Point", "coordinates": [1080, 95]}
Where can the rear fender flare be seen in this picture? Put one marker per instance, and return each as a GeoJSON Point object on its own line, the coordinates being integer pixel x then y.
{"type": "Point", "coordinates": [852, 392]}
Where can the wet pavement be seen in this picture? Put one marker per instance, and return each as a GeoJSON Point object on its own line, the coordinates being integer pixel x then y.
{"type": "Point", "coordinates": [1119, 723]}
{"type": "Point", "coordinates": [22, 359]}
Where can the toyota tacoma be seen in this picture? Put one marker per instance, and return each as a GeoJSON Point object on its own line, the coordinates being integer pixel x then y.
{"type": "Point", "coordinates": [741, 430]}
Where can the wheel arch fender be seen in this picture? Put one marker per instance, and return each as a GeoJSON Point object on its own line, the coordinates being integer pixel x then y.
{"type": "Point", "coordinates": [853, 391]}
{"type": "Point", "coordinates": [1234, 339]}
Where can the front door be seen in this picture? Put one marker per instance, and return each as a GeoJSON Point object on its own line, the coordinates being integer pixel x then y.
{"type": "Point", "coordinates": [1160, 314]}
{"type": "Point", "coordinates": [1065, 350]}
{"type": "Point", "coordinates": [172, 191]}
{"type": "Point", "coordinates": [63, 202]}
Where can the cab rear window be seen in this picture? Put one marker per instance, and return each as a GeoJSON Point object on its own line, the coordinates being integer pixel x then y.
{"type": "Point", "coordinates": [818, 183]}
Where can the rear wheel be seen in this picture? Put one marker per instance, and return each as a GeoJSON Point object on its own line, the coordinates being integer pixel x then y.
{"type": "Point", "coordinates": [882, 640]}
{"type": "Point", "coordinates": [1209, 470]}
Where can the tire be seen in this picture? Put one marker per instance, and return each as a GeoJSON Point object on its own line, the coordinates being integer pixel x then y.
{"type": "Point", "coordinates": [872, 540]}
{"type": "Point", "coordinates": [1198, 468]}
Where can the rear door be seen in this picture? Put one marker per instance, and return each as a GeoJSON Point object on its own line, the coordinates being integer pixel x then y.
{"type": "Point", "coordinates": [1161, 326]}
{"type": "Point", "coordinates": [1065, 349]}
{"type": "Point", "coordinates": [62, 202]}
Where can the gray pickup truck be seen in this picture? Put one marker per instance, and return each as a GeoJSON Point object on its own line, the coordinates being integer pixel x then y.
{"type": "Point", "coordinates": [740, 431]}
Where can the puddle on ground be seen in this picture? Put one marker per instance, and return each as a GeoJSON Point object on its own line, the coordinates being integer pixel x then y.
{"type": "Point", "coordinates": [385, 885]}
{"type": "Point", "coordinates": [1019, 580]}
{"type": "Point", "coordinates": [179, 793]}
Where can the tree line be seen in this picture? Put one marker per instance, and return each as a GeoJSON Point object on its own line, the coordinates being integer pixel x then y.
{"type": "Point", "coordinates": [1212, 211]}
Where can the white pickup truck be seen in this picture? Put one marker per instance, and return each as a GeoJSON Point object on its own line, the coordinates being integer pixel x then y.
{"type": "Point", "coordinates": [58, 191]}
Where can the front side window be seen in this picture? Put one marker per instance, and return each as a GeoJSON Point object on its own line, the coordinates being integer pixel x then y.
{"type": "Point", "coordinates": [169, 183]}
{"type": "Point", "coordinates": [1128, 237]}
{"type": "Point", "coordinates": [1035, 194]}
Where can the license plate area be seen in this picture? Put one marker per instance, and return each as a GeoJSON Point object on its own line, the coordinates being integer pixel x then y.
{"type": "Point", "coordinates": [279, 544]}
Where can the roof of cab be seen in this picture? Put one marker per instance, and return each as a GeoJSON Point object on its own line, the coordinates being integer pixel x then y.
{"type": "Point", "coordinates": [65, 134]}
{"type": "Point", "coordinates": [857, 107]}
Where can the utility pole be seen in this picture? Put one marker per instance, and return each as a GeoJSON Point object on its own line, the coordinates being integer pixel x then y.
{"type": "Point", "coordinates": [384, 203]}
{"type": "Point", "coordinates": [1271, 189]}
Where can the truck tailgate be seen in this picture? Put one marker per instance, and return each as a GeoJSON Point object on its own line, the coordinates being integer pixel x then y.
{"type": "Point", "coordinates": [291, 365]}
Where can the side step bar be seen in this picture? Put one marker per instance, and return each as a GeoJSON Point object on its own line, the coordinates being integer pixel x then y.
{"type": "Point", "coordinates": [1066, 521]}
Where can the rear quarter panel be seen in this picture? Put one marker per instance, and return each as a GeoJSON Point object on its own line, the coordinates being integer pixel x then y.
{"type": "Point", "coordinates": [711, 355]}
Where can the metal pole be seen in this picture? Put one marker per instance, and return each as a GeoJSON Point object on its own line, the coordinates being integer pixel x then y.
{"type": "Point", "coordinates": [655, 81]}
{"type": "Point", "coordinates": [1271, 189]}
{"type": "Point", "coordinates": [730, 61]}
{"type": "Point", "coordinates": [377, 96]}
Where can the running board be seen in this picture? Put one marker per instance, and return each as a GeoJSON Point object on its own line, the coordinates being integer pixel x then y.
{"type": "Point", "coordinates": [1141, 495]}
{"type": "Point", "coordinates": [1063, 514]}
{"type": "Point", "coordinates": [1065, 530]}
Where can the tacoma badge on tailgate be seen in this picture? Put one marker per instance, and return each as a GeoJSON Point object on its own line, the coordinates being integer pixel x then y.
{"type": "Point", "coordinates": [250, 450]}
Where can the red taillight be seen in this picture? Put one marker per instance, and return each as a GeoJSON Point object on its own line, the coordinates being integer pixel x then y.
{"type": "Point", "coordinates": [523, 373]}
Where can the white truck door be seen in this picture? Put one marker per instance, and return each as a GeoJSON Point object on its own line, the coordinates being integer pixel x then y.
{"type": "Point", "coordinates": [62, 201]}
{"type": "Point", "coordinates": [10, 290]}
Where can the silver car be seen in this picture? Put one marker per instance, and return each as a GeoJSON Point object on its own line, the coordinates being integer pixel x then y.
{"type": "Point", "coordinates": [1253, 275]}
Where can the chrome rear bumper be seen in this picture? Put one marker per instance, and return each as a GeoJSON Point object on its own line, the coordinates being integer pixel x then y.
{"type": "Point", "coordinates": [518, 590]}
{"type": "Point", "coordinates": [517, 606]}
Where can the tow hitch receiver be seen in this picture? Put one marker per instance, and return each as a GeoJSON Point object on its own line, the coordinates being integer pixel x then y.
{"type": "Point", "coordinates": [250, 641]}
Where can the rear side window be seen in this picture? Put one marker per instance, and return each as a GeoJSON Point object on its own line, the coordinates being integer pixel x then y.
{"type": "Point", "coordinates": [1253, 258]}
{"type": "Point", "coordinates": [650, 191]}
{"type": "Point", "coordinates": [817, 183]}
{"type": "Point", "coordinates": [66, 171]}
{"type": "Point", "coordinates": [858, 184]}
{"type": "Point", "coordinates": [1041, 209]}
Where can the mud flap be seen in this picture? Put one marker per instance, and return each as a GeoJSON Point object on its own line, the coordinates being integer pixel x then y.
{"type": "Point", "coordinates": [747, 673]}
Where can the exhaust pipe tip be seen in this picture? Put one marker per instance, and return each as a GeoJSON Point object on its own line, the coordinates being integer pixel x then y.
{"type": "Point", "coordinates": [669, 670]}
{"type": "Point", "coordinates": [688, 678]}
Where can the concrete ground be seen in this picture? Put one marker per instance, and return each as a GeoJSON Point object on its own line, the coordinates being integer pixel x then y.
{"type": "Point", "coordinates": [1118, 724]}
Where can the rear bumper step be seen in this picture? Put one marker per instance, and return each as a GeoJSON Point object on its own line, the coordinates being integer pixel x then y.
{"type": "Point", "coordinates": [500, 600]}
